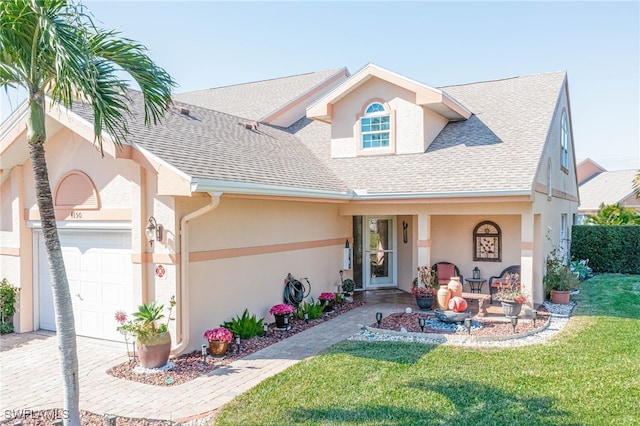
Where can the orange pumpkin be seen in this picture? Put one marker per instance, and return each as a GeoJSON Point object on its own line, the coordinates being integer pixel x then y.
{"type": "Point", "coordinates": [457, 304]}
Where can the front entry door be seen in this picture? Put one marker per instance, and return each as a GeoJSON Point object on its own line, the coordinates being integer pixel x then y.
{"type": "Point", "coordinates": [380, 253]}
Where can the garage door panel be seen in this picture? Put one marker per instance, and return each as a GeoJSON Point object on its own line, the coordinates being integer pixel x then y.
{"type": "Point", "coordinates": [99, 270]}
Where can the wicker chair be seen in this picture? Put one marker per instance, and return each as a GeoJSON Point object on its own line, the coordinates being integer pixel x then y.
{"type": "Point", "coordinates": [496, 282]}
{"type": "Point", "coordinates": [446, 270]}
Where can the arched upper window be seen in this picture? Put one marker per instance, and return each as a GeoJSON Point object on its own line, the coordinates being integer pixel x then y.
{"type": "Point", "coordinates": [375, 127]}
{"type": "Point", "coordinates": [564, 141]}
{"type": "Point", "coordinates": [487, 240]}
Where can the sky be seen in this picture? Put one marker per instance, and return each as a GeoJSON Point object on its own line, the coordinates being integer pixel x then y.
{"type": "Point", "coordinates": [207, 44]}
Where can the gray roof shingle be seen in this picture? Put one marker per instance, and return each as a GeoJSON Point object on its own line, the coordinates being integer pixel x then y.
{"type": "Point", "coordinates": [607, 187]}
{"type": "Point", "coordinates": [497, 149]}
{"type": "Point", "coordinates": [256, 99]}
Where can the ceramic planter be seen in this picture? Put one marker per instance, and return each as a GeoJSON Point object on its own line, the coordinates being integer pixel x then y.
{"type": "Point", "coordinates": [443, 297]}
{"type": "Point", "coordinates": [511, 308]}
{"type": "Point", "coordinates": [218, 347]}
{"type": "Point", "coordinates": [424, 303]}
{"type": "Point", "coordinates": [282, 321]}
{"type": "Point", "coordinates": [153, 352]}
{"type": "Point", "coordinates": [560, 297]}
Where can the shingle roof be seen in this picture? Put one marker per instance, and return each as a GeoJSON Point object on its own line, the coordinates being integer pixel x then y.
{"type": "Point", "coordinates": [208, 144]}
{"type": "Point", "coordinates": [257, 99]}
{"type": "Point", "coordinates": [497, 149]}
{"type": "Point", "coordinates": [607, 187]}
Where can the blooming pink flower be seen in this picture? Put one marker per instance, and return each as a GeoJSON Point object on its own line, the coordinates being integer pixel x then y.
{"type": "Point", "coordinates": [220, 333]}
{"type": "Point", "coordinates": [327, 296]}
{"type": "Point", "coordinates": [121, 317]}
{"type": "Point", "coordinates": [281, 309]}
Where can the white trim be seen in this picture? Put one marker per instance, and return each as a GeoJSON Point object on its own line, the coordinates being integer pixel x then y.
{"type": "Point", "coordinates": [73, 225]}
{"type": "Point", "coordinates": [366, 273]}
{"type": "Point", "coordinates": [210, 185]}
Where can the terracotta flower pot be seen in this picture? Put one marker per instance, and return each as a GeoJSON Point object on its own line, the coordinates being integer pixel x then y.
{"type": "Point", "coordinates": [455, 287]}
{"type": "Point", "coordinates": [154, 352]}
{"type": "Point", "coordinates": [443, 297]}
{"type": "Point", "coordinates": [560, 297]}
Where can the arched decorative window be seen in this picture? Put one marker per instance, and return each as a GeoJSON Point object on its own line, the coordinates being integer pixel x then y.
{"type": "Point", "coordinates": [375, 127]}
{"type": "Point", "coordinates": [76, 191]}
{"type": "Point", "coordinates": [564, 141]}
{"type": "Point", "coordinates": [487, 242]}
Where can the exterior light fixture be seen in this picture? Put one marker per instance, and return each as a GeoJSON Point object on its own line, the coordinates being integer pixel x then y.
{"type": "Point", "coordinates": [203, 351]}
{"type": "Point", "coordinates": [476, 273]}
{"type": "Point", "coordinates": [238, 343]}
{"type": "Point", "coordinates": [154, 231]}
{"type": "Point", "coordinates": [467, 323]}
{"type": "Point", "coordinates": [265, 328]}
{"type": "Point", "coordinates": [534, 315]}
{"type": "Point", "coordinates": [514, 322]}
{"type": "Point", "coordinates": [421, 323]}
{"type": "Point", "coordinates": [306, 317]}
{"type": "Point", "coordinates": [378, 317]}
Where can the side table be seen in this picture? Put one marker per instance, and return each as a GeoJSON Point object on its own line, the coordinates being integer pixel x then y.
{"type": "Point", "coordinates": [476, 284]}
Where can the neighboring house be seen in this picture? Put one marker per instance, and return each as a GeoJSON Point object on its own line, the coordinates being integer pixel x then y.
{"type": "Point", "coordinates": [597, 186]}
{"type": "Point", "coordinates": [251, 182]}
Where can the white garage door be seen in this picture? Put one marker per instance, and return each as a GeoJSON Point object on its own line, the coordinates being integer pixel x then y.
{"type": "Point", "coordinates": [98, 265]}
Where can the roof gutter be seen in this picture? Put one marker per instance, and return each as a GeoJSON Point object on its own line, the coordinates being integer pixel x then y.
{"type": "Point", "coordinates": [207, 185]}
{"type": "Point", "coordinates": [182, 314]}
{"type": "Point", "coordinates": [433, 195]}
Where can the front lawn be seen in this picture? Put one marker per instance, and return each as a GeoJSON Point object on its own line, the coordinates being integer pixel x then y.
{"type": "Point", "coordinates": [589, 374]}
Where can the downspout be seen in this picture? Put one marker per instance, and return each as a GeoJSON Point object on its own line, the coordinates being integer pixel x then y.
{"type": "Point", "coordinates": [182, 314]}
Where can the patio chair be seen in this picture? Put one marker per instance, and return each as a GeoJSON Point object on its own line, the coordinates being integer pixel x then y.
{"type": "Point", "coordinates": [446, 270]}
{"type": "Point", "coordinates": [496, 282]}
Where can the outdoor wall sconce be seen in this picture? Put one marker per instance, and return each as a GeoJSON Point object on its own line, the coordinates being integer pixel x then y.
{"type": "Point", "coordinates": [514, 322]}
{"type": "Point", "coordinates": [378, 317]}
{"type": "Point", "coordinates": [467, 323]}
{"type": "Point", "coordinates": [421, 323]}
{"type": "Point", "coordinates": [154, 231]}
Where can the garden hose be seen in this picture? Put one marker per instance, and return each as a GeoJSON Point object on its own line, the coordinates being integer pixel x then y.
{"type": "Point", "coordinates": [295, 291]}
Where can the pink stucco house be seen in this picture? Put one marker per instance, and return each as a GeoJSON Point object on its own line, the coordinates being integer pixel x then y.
{"type": "Point", "coordinates": [253, 181]}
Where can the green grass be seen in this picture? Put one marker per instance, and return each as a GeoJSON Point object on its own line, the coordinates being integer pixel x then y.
{"type": "Point", "coordinates": [589, 374]}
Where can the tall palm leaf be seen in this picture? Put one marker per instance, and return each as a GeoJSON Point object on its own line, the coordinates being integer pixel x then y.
{"type": "Point", "coordinates": [53, 48]}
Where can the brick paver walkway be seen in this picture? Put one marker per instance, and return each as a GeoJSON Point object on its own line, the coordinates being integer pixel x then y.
{"type": "Point", "coordinates": [30, 375]}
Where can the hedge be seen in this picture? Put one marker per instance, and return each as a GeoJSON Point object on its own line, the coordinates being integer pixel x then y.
{"type": "Point", "coordinates": [614, 249]}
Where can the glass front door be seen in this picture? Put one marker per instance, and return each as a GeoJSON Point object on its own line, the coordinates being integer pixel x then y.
{"type": "Point", "coordinates": [379, 254]}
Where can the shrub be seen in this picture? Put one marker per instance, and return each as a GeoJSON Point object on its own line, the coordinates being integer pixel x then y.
{"type": "Point", "coordinates": [8, 294]}
{"type": "Point", "coordinates": [348, 285]}
{"type": "Point", "coordinates": [244, 326]}
{"type": "Point", "coordinates": [614, 249]}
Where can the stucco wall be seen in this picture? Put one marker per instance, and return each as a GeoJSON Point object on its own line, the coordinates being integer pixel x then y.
{"type": "Point", "coordinates": [406, 253]}
{"type": "Point", "coordinates": [415, 127]}
{"type": "Point", "coordinates": [244, 249]}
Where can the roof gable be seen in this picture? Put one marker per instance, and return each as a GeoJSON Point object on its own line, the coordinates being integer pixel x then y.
{"type": "Point", "coordinates": [426, 96]}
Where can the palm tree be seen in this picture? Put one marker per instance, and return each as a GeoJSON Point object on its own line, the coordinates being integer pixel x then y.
{"type": "Point", "coordinates": [53, 48]}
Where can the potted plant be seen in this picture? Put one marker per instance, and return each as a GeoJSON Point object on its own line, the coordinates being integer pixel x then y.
{"type": "Point", "coordinates": [558, 280]}
{"type": "Point", "coordinates": [153, 340]}
{"type": "Point", "coordinates": [510, 295]}
{"type": "Point", "coordinates": [348, 286]}
{"type": "Point", "coordinates": [282, 312]}
{"type": "Point", "coordinates": [8, 294]}
{"type": "Point", "coordinates": [328, 300]}
{"type": "Point", "coordinates": [218, 339]}
{"type": "Point", "coordinates": [424, 287]}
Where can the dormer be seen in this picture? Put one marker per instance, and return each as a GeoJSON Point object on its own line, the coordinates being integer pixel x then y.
{"type": "Point", "coordinates": [378, 112]}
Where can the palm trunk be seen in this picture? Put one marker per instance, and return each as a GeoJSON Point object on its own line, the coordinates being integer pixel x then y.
{"type": "Point", "coordinates": [65, 325]}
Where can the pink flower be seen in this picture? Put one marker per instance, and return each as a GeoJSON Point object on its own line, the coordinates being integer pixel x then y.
{"type": "Point", "coordinates": [220, 334]}
{"type": "Point", "coordinates": [121, 317]}
{"type": "Point", "coordinates": [281, 309]}
{"type": "Point", "coordinates": [327, 296]}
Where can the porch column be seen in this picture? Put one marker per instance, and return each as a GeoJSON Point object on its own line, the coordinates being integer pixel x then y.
{"type": "Point", "coordinates": [424, 241]}
{"type": "Point", "coordinates": [526, 258]}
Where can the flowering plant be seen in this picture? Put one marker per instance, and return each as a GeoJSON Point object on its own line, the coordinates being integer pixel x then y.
{"type": "Point", "coordinates": [281, 309]}
{"type": "Point", "coordinates": [145, 325]}
{"type": "Point", "coordinates": [427, 277]}
{"type": "Point", "coordinates": [510, 289]}
{"type": "Point", "coordinates": [327, 297]}
{"type": "Point", "coordinates": [422, 292]}
{"type": "Point", "coordinates": [221, 334]}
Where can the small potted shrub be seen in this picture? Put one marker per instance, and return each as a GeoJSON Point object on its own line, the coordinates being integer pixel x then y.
{"type": "Point", "coordinates": [281, 313]}
{"type": "Point", "coordinates": [218, 339]}
{"type": "Point", "coordinates": [348, 286]}
{"type": "Point", "coordinates": [510, 295]}
{"type": "Point", "coordinates": [153, 340]}
{"type": "Point", "coordinates": [558, 280]}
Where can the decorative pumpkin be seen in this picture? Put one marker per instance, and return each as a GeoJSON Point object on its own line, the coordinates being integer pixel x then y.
{"type": "Point", "coordinates": [457, 304]}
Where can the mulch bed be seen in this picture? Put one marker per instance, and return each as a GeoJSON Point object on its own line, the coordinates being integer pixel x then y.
{"type": "Point", "coordinates": [189, 366]}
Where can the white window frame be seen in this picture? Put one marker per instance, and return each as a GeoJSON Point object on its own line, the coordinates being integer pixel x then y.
{"type": "Point", "coordinates": [372, 115]}
{"type": "Point", "coordinates": [564, 141]}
